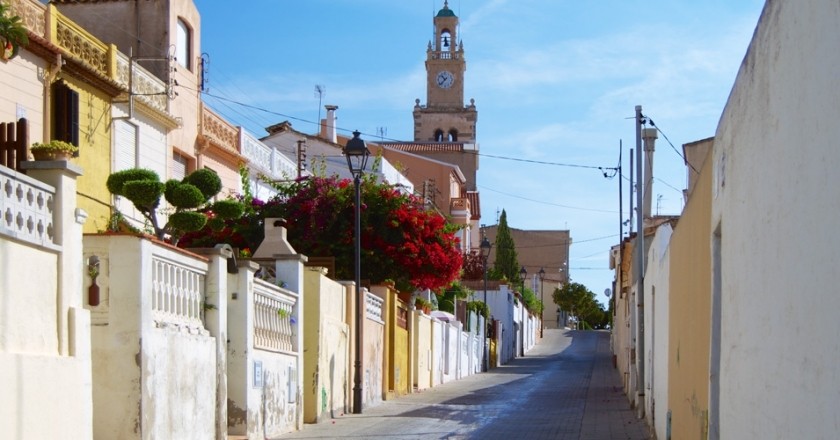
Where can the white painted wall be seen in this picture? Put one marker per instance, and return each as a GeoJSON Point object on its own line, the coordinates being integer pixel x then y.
{"type": "Point", "coordinates": [775, 199]}
{"type": "Point", "coordinates": [153, 378]}
{"type": "Point", "coordinates": [656, 330]}
{"type": "Point", "coordinates": [45, 365]}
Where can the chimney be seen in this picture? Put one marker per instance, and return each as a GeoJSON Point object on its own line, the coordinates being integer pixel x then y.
{"type": "Point", "coordinates": [331, 134]}
{"type": "Point", "coordinates": [649, 137]}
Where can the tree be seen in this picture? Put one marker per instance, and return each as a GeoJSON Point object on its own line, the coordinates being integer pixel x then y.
{"type": "Point", "coordinates": [144, 189]}
{"type": "Point", "coordinates": [579, 301]}
{"type": "Point", "coordinates": [401, 239]}
{"type": "Point", "coordinates": [506, 263]}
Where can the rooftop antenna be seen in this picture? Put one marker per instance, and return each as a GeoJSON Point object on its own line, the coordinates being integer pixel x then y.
{"type": "Point", "coordinates": [320, 91]}
{"type": "Point", "coordinates": [382, 132]}
{"type": "Point", "coordinates": [658, 203]}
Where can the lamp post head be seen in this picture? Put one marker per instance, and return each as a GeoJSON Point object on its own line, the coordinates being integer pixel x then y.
{"type": "Point", "coordinates": [542, 273]}
{"type": "Point", "coordinates": [357, 154]}
{"type": "Point", "coordinates": [484, 248]}
{"type": "Point", "coordinates": [523, 274]}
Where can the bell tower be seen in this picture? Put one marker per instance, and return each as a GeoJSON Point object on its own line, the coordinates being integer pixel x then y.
{"type": "Point", "coordinates": [444, 118]}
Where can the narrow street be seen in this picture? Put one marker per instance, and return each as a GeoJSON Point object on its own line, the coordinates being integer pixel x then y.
{"type": "Point", "coordinates": [565, 388]}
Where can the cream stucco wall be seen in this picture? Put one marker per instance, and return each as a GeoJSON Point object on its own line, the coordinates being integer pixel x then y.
{"type": "Point", "coordinates": [689, 314]}
{"type": "Point", "coordinates": [45, 365]}
{"type": "Point", "coordinates": [776, 192]}
{"type": "Point", "coordinates": [423, 354]}
{"type": "Point", "coordinates": [326, 338]}
{"type": "Point", "coordinates": [151, 380]}
{"type": "Point", "coordinates": [657, 279]}
{"type": "Point", "coordinates": [23, 92]}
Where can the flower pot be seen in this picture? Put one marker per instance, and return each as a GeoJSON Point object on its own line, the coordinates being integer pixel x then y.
{"type": "Point", "coordinates": [51, 155]}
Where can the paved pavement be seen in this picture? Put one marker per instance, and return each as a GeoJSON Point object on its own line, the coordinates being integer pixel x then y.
{"type": "Point", "coordinates": [565, 388]}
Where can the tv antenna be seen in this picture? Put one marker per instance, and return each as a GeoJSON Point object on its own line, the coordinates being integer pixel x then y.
{"type": "Point", "coordinates": [382, 132]}
{"type": "Point", "coordinates": [320, 91]}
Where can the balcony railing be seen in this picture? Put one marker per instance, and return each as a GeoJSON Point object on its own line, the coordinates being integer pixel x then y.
{"type": "Point", "coordinates": [143, 84]}
{"type": "Point", "coordinates": [81, 44]}
{"type": "Point", "coordinates": [219, 131]}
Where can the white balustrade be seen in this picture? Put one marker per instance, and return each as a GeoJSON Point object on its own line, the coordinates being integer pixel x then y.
{"type": "Point", "coordinates": [274, 317]}
{"type": "Point", "coordinates": [177, 295]}
{"type": "Point", "coordinates": [26, 208]}
{"type": "Point", "coordinates": [373, 307]}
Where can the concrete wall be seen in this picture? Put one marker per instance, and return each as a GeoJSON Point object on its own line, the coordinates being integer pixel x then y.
{"type": "Point", "coordinates": [44, 329]}
{"type": "Point", "coordinates": [776, 190]}
{"type": "Point", "coordinates": [155, 376]}
{"type": "Point", "coordinates": [657, 276]}
{"type": "Point", "coordinates": [621, 335]}
{"type": "Point", "coordinates": [326, 363]}
{"type": "Point", "coordinates": [423, 351]}
{"type": "Point", "coordinates": [689, 311]}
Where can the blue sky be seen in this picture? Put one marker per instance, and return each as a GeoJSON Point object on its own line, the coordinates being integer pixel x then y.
{"type": "Point", "coordinates": [553, 81]}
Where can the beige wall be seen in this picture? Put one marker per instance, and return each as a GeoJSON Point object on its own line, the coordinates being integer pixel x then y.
{"type": "Point", "coordinates": [23, 88]}
{"type": "Point", "coordinates": [689, 307]}
{"type": "Point", "coordinates": [325, 336]}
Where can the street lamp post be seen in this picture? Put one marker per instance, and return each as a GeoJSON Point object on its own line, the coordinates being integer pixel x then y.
{"type": "Point", "coordinates": [357, 156]}
{"type": "Point", "coordinates": [484, 248]}
{"type": "Point", "coordinates": [542, 298]}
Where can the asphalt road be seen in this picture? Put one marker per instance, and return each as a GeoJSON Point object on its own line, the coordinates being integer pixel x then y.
{"type": "Point", "coordinates": [564, 388]}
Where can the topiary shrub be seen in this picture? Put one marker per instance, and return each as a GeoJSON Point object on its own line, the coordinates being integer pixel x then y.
{"type": "Point", "coordinates": [144, 189]}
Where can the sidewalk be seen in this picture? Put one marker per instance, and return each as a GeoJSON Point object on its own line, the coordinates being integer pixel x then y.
{"type": "Point", "coordinates": [565, 388]}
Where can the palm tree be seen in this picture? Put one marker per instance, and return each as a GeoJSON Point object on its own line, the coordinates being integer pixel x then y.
{"type": "Point", "coordinates": [12, 33]}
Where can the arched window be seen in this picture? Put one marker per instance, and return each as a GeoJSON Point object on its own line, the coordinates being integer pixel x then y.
{"type": "Point", "coordinates": [438, 135]}
{"type": "Point", "coordinates": [183, 44]}
{"type": "Point", "coordinates": [453, 135]}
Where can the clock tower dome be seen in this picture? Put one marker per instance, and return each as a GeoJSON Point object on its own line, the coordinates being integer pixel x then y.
{"type": "Point", "coordinates": [445, 118]}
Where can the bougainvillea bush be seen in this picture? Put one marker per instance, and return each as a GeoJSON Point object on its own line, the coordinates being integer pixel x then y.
{"type": "Point", "coordinates": [401, 240]}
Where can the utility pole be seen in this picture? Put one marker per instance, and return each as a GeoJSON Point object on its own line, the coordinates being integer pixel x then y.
{"type": "Point", "coordinates": [640, 269]}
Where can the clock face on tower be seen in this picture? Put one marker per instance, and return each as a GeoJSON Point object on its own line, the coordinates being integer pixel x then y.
{"type": "Point", "coordinates": [444, 79]}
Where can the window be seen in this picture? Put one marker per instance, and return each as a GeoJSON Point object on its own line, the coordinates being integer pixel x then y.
{"type": "Point", "coordinates": [438, 135]}
{"type": "Point", "coordinates": [180, 165]}
{"type": "Point", "coordinates": [183, 49]}
{"type": "Point", "coordinates": [65, 114]}
{"type": "Point", "coordinates": [125, 145]}
{"type": "Point", "coordinates": [453, 135]}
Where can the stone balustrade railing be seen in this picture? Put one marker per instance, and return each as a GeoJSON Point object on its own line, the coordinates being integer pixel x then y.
{"type": "Point", "coordinates": [177, 292]}
{"type": "Point", "coordinates": [26, 208]}
{"type": "Point", "coordinates": [274, 319]}
{"type": "Point", "coordinates": [373, 307]}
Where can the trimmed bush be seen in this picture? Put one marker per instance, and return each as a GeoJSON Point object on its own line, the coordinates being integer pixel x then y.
{"type": "Point", "coordinates": [228, 209]}
{"type": "Point", "coordinates": [188, 221]}
{"type": "Point", "coordinates": [185, 196]}
{"type": "Point", "coordinates": [144, 193]}
{"type": "Point", "coordinates": [206, 180]}
{"type": "Point", "coordinates": [116, 181]}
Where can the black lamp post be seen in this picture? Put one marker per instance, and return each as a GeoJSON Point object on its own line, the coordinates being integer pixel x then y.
{"type": "Point", "coordinates": [484, 248]}
{"type": "Point", "coordinates": [357, 156]}
{"type": "Point", "coordinates": [542, 298]}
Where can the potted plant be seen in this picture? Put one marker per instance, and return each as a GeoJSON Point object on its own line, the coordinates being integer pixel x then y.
{"type": "Point", "coordinates": [53, 150]}
{"type": "Point", "coordinates": [12, 33]}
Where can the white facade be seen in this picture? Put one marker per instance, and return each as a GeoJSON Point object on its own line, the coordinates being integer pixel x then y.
{"type": "Point", "coordinates": [775, 245]}
{"type": "Point", "coordinates": [657, 277]}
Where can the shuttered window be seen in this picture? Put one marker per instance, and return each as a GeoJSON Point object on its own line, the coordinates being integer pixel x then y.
{"type": "Point", "coordinates": [65, 114]}
{"type": "Point", "coordinates": [179, 166]}
{"type": "Point", "coordinates": [125, 140]}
